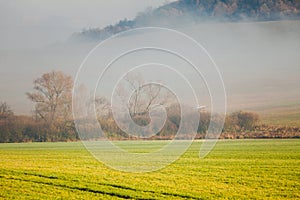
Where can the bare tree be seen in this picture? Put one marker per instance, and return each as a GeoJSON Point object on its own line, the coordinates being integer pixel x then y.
{"type": "Point", "coordinates": [53, 99]}
{"type": "Point", "coordinates": [6, 125]}
{"type": "Point", "coordinates": [102, 107]}
{"type": "Point", "coordinates": [5, 111]}
{"type": "Point", "coordinates": [141, 97]}
{"type": "Point", "coordinates": [145, 96]}
{"type": "Point", "coordinates": [99, 105]}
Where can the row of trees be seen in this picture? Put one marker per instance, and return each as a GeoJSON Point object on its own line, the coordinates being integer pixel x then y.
{"type": "Point", "coordinates": [52, 119]}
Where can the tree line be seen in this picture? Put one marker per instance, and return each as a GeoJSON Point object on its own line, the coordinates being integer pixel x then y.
{"type": "Point", "coordinates": [52, 119]}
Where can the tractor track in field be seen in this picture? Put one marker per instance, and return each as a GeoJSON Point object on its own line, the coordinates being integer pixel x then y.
{"type": "Point", "coordinates": [86, 189]}
{"type": "Point", "coordinates": [149, 191]}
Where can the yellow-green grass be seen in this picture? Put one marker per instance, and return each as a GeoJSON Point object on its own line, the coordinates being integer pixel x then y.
{"type": "Point", "coordinates": [235, 169]}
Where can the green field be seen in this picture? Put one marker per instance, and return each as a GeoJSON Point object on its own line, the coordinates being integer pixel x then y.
{"type": "Point", "coordinates": [282, 114]}
{"type": "Point", "coordinates": [235, 169]}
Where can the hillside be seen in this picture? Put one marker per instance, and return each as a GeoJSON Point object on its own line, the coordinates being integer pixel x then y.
{"type": "Point", "coordinates": [184, 12]}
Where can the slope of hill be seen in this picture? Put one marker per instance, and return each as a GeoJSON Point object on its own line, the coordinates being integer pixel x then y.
{"type": "Point", "coordinates": [184, 12]}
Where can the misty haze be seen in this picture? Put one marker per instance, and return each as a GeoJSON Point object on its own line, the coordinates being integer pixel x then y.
{"type": "Point", "coordinates": [258, 62]}
{"type": "Point", "coordinates": [143, 85]}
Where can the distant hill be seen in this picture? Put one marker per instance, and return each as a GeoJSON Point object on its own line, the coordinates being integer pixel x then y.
{"type": "Point", "coordinates": [184, 12]}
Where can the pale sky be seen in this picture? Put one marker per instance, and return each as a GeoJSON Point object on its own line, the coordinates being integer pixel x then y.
{"type": "Point", "coordinates": [28, 27]}
{"type": "Point", "coordinates": [34, 23]}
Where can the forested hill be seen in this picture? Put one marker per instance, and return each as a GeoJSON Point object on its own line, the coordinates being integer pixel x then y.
{"type": "Point", "coordinates": [184, 12]}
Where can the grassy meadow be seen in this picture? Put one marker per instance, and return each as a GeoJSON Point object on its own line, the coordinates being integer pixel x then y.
{"type": "Point", "coordinates": [235, 169]}
{"type": "Point", "coordinates": [284, 113]}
